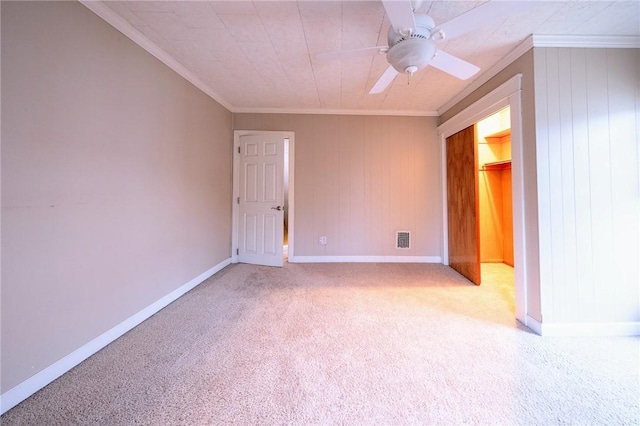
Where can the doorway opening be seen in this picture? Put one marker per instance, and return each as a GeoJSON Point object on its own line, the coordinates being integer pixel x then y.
{"type": "Point", "coordinates": [285, 242]}
{"type": "Point", "coordinates": [495, 205]}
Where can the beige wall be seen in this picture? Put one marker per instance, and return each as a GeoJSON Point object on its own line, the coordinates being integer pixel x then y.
{"type": "Point", "coordinates": [587, 126]}
{"type": "Point", "coordinates": [116, 182]}
{"type": "Point", "coordinates": [359, 179]}
{"type": "Point", "coordinates": [524, 66]}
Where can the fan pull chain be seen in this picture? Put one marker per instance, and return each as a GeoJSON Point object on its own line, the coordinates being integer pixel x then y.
{"type": "Point", "coordinates": [410, 70]}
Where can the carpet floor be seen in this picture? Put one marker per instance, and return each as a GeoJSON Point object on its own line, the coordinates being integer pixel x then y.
{"type": "Point", "coordinates": [356, 344]}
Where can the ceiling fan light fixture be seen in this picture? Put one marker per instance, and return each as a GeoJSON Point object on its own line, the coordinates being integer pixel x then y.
{"type": "Point", "coordinates": [413, 53]}
{"type": "Point", "coordinates": [410, 70]}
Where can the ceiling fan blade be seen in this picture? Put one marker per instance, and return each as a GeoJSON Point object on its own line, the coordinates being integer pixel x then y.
{"type": "Point", "coordinates": [453, 65]}
{"type": "Point", "coordinates": [385, 80]}
{"type": "Point", "coordinates": [418, 6]}
{"type": "Point", "coordinates": [348, 54]}
{"type": "Point", "coordinates": [400, 15]}
{"type": "Point", "coordinates": [481, 16]}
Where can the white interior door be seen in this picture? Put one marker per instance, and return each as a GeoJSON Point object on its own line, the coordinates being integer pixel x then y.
{"type": "Point", "coordinates": [261, 200]}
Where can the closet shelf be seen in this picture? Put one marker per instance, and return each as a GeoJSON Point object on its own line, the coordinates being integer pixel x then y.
{"type": "Point", "coordinates": [497, 165]}
{"type": "Point", "coordinates": [499, 137]}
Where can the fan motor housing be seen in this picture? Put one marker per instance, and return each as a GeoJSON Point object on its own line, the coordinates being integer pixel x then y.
{"type": "Point", "coordinates": [415, 50]}
{"type": "Point", "coordinates": [411, 53]}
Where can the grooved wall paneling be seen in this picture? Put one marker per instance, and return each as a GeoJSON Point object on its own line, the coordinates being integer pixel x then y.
{"type": "Point", "coordinates": [587, 154]}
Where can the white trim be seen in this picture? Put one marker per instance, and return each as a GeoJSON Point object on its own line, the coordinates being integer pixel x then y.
{"type": "Point", "coordinates": [236, 188]}
{"type": "Point", "coordinates": [365, 259]}
{"type": "Point", "coordinates": [291, 203]}
{"type": "Point", "coordinates": [589, 42]}
{"type": "Point", "coordinates": [507, 94]}
{"type": "Point", "coordinates": [533, 324]}
{"type": "Point", "coordinates": [445, 200]}
{"type": "Point", "coordinates": [590, 329]}
{"type": "Point", "coordinates": [235, 193]}
{"type": "Point", "coordinates": [520, 50]}
{"type": "Point", "coordinates": [612, 42]}
{"type": "Point", "coordinates": [120, 24]}
{"type": "Point", "coordinates": [586, 329]}
{"type": "Point", "coordinates": [519, 225]}
{"type": "Point", "coordinates": [482, 108]}
{"type": "Point", "coordinates": [319, 111]}
{"type": "Point", "coordinates": [19, 393]}
{"type": "Point", "coordinates": [106, 13]}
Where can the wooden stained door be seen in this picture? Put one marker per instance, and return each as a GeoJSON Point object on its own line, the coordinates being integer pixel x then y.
{"type": "Point", "coordinates": [261, 201]}
{"type": "Point", "coordinates": [462, 204]}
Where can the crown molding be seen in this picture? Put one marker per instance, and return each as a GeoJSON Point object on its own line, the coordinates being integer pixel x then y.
{"type": "Point", "coordinates": [106, 13]}
{"type": "Point", "coordinates": [590, 42]}
{"type": "Point", "coordinates": [520, 50]}
{"type": "Point", "coordinates": [318, 111]}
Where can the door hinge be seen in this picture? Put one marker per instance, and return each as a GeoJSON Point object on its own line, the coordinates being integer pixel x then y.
{"type": "Point", "coordinates": [238, 150]}
{"type": "Point", "coordinates": [238, 200]}
{"type": "Point", "coordinates": [237, 251]}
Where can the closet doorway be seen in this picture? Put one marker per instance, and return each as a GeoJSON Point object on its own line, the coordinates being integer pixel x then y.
{"type": "Point", "coordinates": [479, 198]}
{"type": "Point", "coordinates": [495, 201]}
{"type": "Point", "coordinates": [507, 94]}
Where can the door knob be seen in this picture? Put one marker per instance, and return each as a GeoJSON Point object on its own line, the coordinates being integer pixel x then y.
{"type": "Point", "coordinates": [279, 208]}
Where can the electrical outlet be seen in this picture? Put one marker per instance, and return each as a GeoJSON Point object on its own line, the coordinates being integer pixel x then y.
{"type": "Point", "coordinates": [322, 240]}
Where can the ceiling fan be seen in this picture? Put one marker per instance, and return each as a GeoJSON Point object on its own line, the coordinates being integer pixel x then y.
{"type": "Point", "coordinates": [412, 39]}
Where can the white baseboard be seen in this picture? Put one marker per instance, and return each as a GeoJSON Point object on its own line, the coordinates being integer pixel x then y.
{"type": "Point", "coordinates": [591, 329]}
{"type": "Point", "coordinates": [14, 396]}
{"type": "Point", "coordinates": [587, 329]}
{"type": "Point", "coordinates": [365, 259]}
{"type": "Point", "coordinates": [534, 325]}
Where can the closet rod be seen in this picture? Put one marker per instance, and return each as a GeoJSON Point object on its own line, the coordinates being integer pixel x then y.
{"type": "Point", "coordinates": [496, 165]}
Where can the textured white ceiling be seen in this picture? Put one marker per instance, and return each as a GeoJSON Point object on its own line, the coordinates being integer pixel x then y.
{"type": "Point", "coordinates": [259, 56]}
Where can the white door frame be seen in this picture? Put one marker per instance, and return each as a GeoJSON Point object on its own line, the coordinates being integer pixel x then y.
{"type": "Point", "coordinates": [236, 187]}
{"type": "Point", "coordinates": [508, 94]}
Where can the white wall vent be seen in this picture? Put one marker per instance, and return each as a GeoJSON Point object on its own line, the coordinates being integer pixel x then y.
{"type": "Point", "coordinates": [403, 239]}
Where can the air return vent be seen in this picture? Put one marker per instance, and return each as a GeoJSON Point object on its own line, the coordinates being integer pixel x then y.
{"type": "Point", "coordinates": [403, 239]}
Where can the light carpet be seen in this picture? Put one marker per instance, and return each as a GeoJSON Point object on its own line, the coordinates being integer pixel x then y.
{"type": "Point", "coordinates": [355, 344]}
